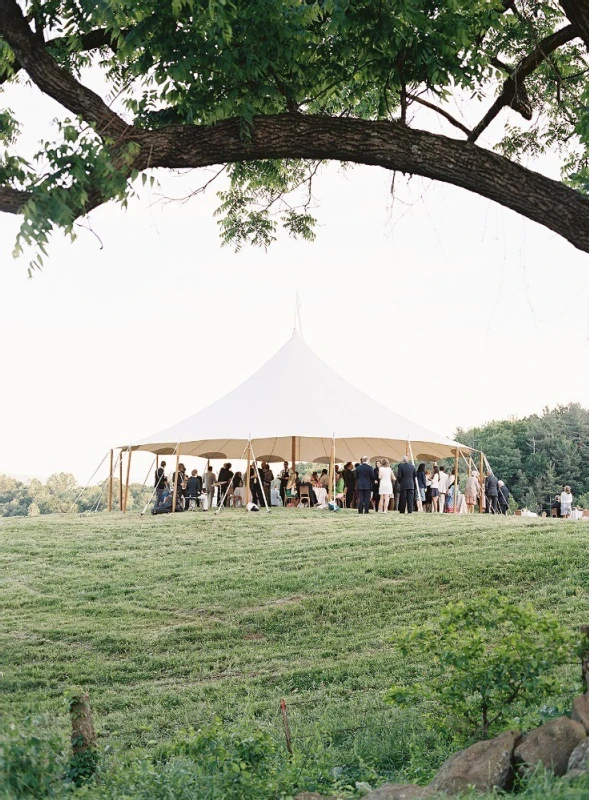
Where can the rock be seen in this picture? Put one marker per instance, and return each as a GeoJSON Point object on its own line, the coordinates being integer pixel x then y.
{"type": "Point", "coordinates": [579, 757]}
{"type": "Point", "coordinates": [580, 712]}
{"type": "Point", "coordinates": [575, 773]}
{"type": "Point", "coordinates": [484, 765]}
{"type": "Point", "coordinates": [314, 796]}
{"type": "Point", "coordinates": [551, 745]}
{"type": "Point", "coordinates": [397, 791]}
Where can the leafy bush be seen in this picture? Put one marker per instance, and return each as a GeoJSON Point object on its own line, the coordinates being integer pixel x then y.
{"type": "Point", "coordinates": [31, 761]}
{"type": "Point", "coordinates": [486, 655]}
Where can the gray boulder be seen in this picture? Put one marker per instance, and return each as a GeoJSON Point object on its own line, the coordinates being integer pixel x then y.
{"type": "Point", "coordinates": [397, 791]}
{"type": "Point", "coordinates": [579, 759]}
{"type": "Point", "coordinates": [580, 712]}
{"type": "Point", "coordinates": [551, 745]}
{"type": "Point", "coordinates": [483, 766]}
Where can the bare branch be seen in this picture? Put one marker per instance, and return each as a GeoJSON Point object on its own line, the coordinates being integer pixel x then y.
{"type": "Point", "coordinates": [513, 88]}
{"type": "Point", "coordinates": [416, 99]}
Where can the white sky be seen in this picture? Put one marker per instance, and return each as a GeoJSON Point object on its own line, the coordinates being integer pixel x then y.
{"type": "Point", "coordinates": [444, 306]}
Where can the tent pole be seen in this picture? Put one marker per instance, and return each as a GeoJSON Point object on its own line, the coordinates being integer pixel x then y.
{"type": "Point", "coordinates": [331, 492]}
{"type": "Point", "coordinates": [129, 453]}
{"type": "Point", "coordinates": [176, 477]}
{"type": "Point", "coordinates": [456, 480]}
{"type": "Point", "coordinates": [482, 483]}
{"type": "Point", "coordinates": [247, 474]}
{"type": "Point", "coordinates": [121, 480]}
{"type": "Point", "coordinates": [294, 456]}
{"type": "Point", "coordinates": [110, 483]}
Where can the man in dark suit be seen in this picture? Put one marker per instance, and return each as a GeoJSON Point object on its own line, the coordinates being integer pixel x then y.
{"type": "Point", "coordinates": [492, 493]}
{"type": "Point", "coordinates": [160, 482]}
{"type": "Point", "coordinates": [406, 477]}
{"type": "Point", "coordinates": [364, 478]}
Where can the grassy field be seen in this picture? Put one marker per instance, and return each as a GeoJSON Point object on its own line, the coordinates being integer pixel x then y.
{"type": "Point", "coordinates": [173, 621]}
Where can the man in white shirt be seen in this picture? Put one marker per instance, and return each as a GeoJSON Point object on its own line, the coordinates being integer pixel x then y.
{"type": "Point", "coordinates": [443, 489]}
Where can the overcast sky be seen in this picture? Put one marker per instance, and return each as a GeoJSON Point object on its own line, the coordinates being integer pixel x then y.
{"type": "Point", "coordinates": [442, 305]}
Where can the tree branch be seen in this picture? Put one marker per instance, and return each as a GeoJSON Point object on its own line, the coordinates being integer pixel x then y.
{"type": "Point", "coordinates": [390, 145]}
{"type": "Point", "coordinates": [577, 12]}
{"type": "Point", "coordinates": [514, 84]}
{"type": "Point", "coordinates": [441, 111]}
{"type": "Point", "coordinates": [12, 200]}
{"type": "Point", "coordinates": [54, 81]}
{"type": "Point", "coordinates": [93, 40]}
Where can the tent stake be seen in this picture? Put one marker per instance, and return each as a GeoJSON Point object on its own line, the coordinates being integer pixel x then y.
{"type": "Point", "coordinates": [110, 483]}
{"type": "Point", "coordinates": [129, 452]}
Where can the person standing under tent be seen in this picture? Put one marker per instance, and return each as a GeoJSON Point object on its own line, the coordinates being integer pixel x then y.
{"type": "Point", "coordinates": [179, 481]}
{"type": "Point", "coordinates": [376, 485]}
{"type": "Point", "coordinates": [224, 481]}
{"type": "Point", "coordinates": [364, 478]}
{"type": "Point", "coordinates": [159, 482]}
{"type": "Point", "coordinates": [238, 490]}
{"type": "Point", "coordinates": [255, 486]}
{"type": "Point", "coordinates": [284, 476]}
{"type": "Point", "coordinates": [443, 489]}
{"type": "Point", "coordinates": [473, 491]}
{"type": "Point", "coordinates": [385, 485]}
{"type": "Point", "coordinates": [503, 497]}
{"type": "Point", "coordinates": [209, 484]}
{"type": "Point", "coordinates": [350, 482]}
{"type": "Point", "coordinates": [193, 489]}
{"type": "Point", "coordinates": [435, 488]}
{"type": "Point", "coordinates": [566, 502]}
{"type": "Point", "coordinates": [421, 481]}
{"type": "Point", "coordinates": [492, 493]}
{"type": "Point", "coordinates": [406, 477]}
{"type": "Point", "coordinates": [267, 478]}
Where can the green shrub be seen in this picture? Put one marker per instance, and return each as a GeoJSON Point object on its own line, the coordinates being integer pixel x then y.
{"type": "Point", "coordinates": [485, 656]}
{"type": "Point", "coordinates": [31, 761]}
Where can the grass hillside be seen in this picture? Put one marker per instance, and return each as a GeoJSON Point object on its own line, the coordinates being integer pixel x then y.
{"type": "Point", "coordinates": [171, 622]}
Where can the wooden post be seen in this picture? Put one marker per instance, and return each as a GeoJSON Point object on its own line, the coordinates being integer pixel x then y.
{"type": "Point", "coordinates": [482, 484]}
{"type": "Point", "coordinates": [129, 453]}
{"type": "Point", "coordinates": [456, 480]}
{"type": "Point", "coordinates": [247, 474]}
{"type": "Point", "coordinates": [331, 493]}
{"type": "Point", "coordinates": [294, 455]}
{"type": "Point", "coordinates": [121, 480]}
{"type": "Point", "coordinates": [110, 482]}
{"type": "Point", "coordinates": [584, 629]}
{"type": "Point", "coordinates": [83, 739]}
{"type": "Point", "coordinates": [176, 480]}
{"type": "Point", "coordinates": [286, 726]}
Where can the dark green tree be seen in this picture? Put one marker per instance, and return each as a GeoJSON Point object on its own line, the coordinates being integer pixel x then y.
{"type": "Point", "coordinates": [268, 89]}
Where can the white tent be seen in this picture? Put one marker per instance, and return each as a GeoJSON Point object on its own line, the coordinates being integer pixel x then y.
{"type": "Point", "coordinates": [292, 409]}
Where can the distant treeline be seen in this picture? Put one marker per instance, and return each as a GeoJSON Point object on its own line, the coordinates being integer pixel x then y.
{"type": "Point", "coordinates": [536, 456]}
{"type": "Point", "coordinates": [58, 495]}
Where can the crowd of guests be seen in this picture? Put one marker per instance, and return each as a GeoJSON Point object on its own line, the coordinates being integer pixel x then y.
{"type": "Point", "coordinates": [359, 486]}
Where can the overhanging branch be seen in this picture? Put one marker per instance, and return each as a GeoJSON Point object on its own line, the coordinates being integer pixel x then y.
{"type": "Point", "coordinates": [54, 81]}
{"type": "Point", "coordinates": [577, 12]}
{"type": "Point", "coordinates": [510, 94]}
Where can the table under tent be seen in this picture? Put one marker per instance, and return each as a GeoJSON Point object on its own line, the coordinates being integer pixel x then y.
{"type": "Point", "coordinates": [295, 409]}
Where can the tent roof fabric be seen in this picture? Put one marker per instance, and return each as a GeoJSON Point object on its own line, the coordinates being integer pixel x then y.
{"type": "Point", "coordinates": [296, 394]}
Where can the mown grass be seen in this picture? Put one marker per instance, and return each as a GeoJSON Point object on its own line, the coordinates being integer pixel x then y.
{"type": "Point", "coordinates": [173, 621]}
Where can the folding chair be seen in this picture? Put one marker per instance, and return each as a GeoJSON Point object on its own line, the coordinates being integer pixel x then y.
{"type": "Point", "coordinates": [305, 496]}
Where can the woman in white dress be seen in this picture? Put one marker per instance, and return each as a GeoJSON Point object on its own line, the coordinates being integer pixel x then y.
{"type": "Point", "coordinates": [566, 502]}
{"type": "Point", "coordinates": [385, 485]}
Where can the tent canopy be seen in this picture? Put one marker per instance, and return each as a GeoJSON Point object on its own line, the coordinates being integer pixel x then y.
{"type": "Point", "coordinates": [297, 400]}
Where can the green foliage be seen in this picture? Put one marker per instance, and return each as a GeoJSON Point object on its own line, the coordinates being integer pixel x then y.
{"type": "Point", "coordinates": [31, 760]}
{"type": "Point", "coordinates": [538, 455]}
{"type": "Point", "coordinates": [203, 61]}
{"type": "Point", "coordinates": [486, 655]}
